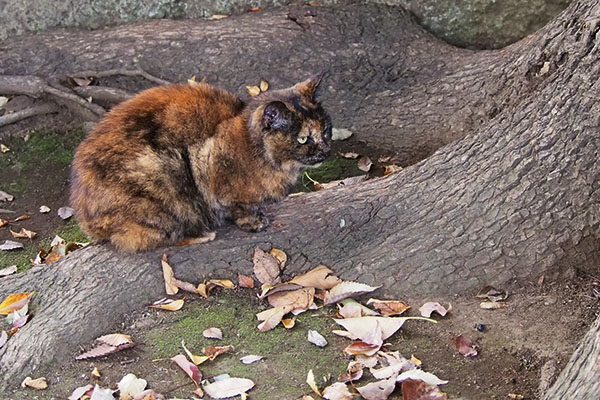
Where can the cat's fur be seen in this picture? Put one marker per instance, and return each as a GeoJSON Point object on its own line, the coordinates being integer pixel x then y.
{"type": "Point", "coordinates": [175, 161]}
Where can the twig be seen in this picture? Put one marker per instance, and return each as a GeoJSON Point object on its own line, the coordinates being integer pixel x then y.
{"type": "Point", "coordinates": [45, 108]}
{"type": "Point", "coordinates": [63, 94]}
{"type": "Point", "coordinates": [124, 72]}
{"type": "Point", "coordinates": [103, 93]}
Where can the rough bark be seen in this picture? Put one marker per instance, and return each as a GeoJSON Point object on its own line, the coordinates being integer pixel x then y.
{"type": "Point", "coordinates": [517, 197]}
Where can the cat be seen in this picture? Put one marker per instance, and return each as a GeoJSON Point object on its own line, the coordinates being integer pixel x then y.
{"type": "Point", "coordinates": [171, 164]}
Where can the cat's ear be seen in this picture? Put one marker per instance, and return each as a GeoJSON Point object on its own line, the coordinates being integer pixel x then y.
{"type": "Point", "coordinates": [309, 87]}
{"type": "Point", "coordinates": [277, 116]}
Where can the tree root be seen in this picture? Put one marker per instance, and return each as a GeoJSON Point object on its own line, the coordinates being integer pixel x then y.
{"type": "Point", "coordinates": [41, 109]}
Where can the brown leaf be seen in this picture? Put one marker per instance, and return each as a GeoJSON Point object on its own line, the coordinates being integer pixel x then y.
{"type": "Point", "coordinates": [195, 359]}
{"type": "Point", "coordinates": [465, 346]}
{"type": "Point", "coordinates": [39, 383]}
{"type": "Point", "coordinates": [218, 16]}
{"type": "Point", "coordinates": [391, 169]}
{"type": "Point", "coordinates": [360, 347]}
{"type": "Point", "coordinates": [288, 323]}
{"type": "Point", "coordinates": [213, 352]}
{"type": "Point", "coordinates": [272, 317]}
{"type": "Point", "coordinates": [417, 374]}
{"type": "Point", "coordinates": [364, 326]}
{"type": "Point", "coordinates": [21, 218]}
{"type": "Point", "coordinates": [380, 390]}
{"type": "Point", "coordinates": [266, 267]}
{"type": "Point", "coordinates": [4, 148]}
{"type": "Point", "coordinates": [168, 276]}
{"type": "Point", "coordinates": [213, 333]}
{"type": "Point", "coordinates": [169, 305]}
{"type": "Point", "coordinates": [189, 368]}
{"type": "Point", "coordinates": [492, 294]}
{"type": "Point", "coordinates": [3, 222]}
{"type": "Point", "coordinates": [347, 289]}
{"type": "Point", "coordinates": [419, 390]}
{"type": "Point", "coordinates": [245, 281]}
{"type": "Point", "coordinates": [280, 256]}
{"type": "Point", "coordinates": [79, 81]}
{"type": "Point", "coordinates": [389, 307]}
{"type": "Point", "coordinates": [364, 163]}
{"type": "Point", "coordinates": [101, 350]}
{"type": "Point", "coordinates": [80, 392]}
{"type": "Point", "coordinates": [116, 339]}
{"type": "Point", "coordinates": [299, 299]}
{"type": "Point", "coordinates": [427, 308]}
{"type": "Point", "coordinates": [319, 277]}
{"type": "Point", "coordinates": [23, 234]}
{"type": "Point", "coordinates": [353, 373]}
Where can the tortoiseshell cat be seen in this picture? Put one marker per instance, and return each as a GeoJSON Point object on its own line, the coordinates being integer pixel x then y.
{"type": "Point", "coordinates": [175, 161]}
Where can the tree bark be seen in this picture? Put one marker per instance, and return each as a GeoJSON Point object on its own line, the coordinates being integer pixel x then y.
{"type": "Point", "coordinates": [513, 194]}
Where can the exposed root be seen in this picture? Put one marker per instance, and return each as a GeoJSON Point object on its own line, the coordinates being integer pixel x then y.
{"type": "Point", "coordinates": [45, 108]}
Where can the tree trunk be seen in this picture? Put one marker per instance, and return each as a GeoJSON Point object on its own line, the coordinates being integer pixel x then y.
{"type": "Point", "coordinates": [513, 195]}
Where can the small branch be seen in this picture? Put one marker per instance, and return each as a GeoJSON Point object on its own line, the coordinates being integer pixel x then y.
{"type": "Point", "coordinates": [124, 72]}
{"type": "Point", "coordinates": [63, 94]}
{"type": "Point", "coordinates": [104, 93]}
{"type": "Point", "coordinates": [45, 108]}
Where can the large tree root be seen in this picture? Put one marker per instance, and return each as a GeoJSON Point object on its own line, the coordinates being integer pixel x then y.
{"type": "Point", "coordinates": [514, 199]}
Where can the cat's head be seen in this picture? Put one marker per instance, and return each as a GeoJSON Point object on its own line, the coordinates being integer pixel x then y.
{"type": "Point", "coordinates": [293, 127]}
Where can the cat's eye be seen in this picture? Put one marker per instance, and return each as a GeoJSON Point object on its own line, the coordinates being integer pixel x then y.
{"type": "Point", "coordinates": [302, 139]}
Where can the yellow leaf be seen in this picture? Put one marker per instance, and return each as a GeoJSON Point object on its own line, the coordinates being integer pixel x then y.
{"type": "Point", "coordinates": [415, 360]}
{"type": "Point", "coordinates": [170, 305]}
{"type": "Point", "coordinates": [4, 148]}
{"type": "Point", "coordinates": [289, 323]}
{"type": "Point", "coordinates": [201, 289]}
{"type": "Point", "coordinates": [218, 16]}
{"type": "Point", "coordinates": [253, 90]}
{"type": "Point", "coordinates": [310, 379]}
{"type": "Point", "coordinates": [264, 86]}
{"type": "Point", "coordinates": [95, 373]}
{"type": "Point", "coordinates": [15, 302]}
{"type": "Point", "coordinates": [195, 359]}
{"type": "Point", "coordinates": [23, 234]}
{"type": "Point", "coordinates": [280, 256]}
{"type": "Point", "coordinates": [168, 275]}
{"type": "Point", "coordinates": [192, 81]}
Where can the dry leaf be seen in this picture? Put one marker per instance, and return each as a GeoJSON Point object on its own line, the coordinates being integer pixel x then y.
{"type": "Point", "coordinates": [195, 359]}
{"type": "Point", "coordinates": [350, 308]}
{"type": "Point", "coordinates": [298, 299]}
{"type": "Point", "coordinates": [80, 392]}
{"type": "Point", "coordinates": [316, 338]}
{"type": "Point", "coordinates": [79, 81]}
{"type": "Point", "coordinates": [362, 327]}
{"type": "Point", "coordinates": [3, 338]}
{"type": "Point", "coordinates": [21, 218]}
{"type": "Point", "coordinates": [427, 308]}
{"type": "Point", "coordinates": [253, 90]}
{"type": "Point", "coordinates": [65, 212]}
{"type": "Point", "coordinates": [115, 339]}
{"type": "Point", "coordinates": [380, 390]}
{"type": "Point", "coordinates": [101, 394]}
{"type": "Point", "coordinates": [364, 163]}
{"type": "Point", "coordinates": [389, 307]}
{"type": "Point", "coordinates": [395, 364]}
{"type": "Point", "coordinates": [39, 383]}
{"type": "Point", "coordinates": [391, 169]}
{"type": "Point", "coordinates": [5, 196]}
{"type": "Point", "coordinates": [266, 267]}
{"type": "Point", "coordinates": [353, 373]}
{"type": "Point", "coordinates": [4, 148]}
{"type": "Point", "coordinates": [228, 387]}
{"type": "Point", "coordinates": [3, 222]}
{"type": "Point", "coordinates": [280, 256]}
{"type": "Point", "coordinates": [415, 360]}
{"type": "Point", "coordinates": [218, 16]}
{"type": "Point", "coordinates": [465, 346]}
{"type": "Point", "coordinates": [189, 368]}
{"type": "Point", "coordinates": [419, 390]}
{"type": "Point", "coordinates": [349, 155]}
{"type": "Point", "coordinates": [11, 245]}
{"type": "Point", "coordinates": [109, 344]}
{"type": "Point", "coordinates": [3, 101]}
{"type": "Point", "coordinates": [213, 333]}
{"type": "Point", "coordinates": [23, 234]}
{"type": "Point", "coordinates": [251, 359]}
{"type": "Point", "coordinates": [270, 318]}
{"type": "Point", "coordinates": [169, 304]}
{"type": "Point", "coordinates": [319, 277]}
{"type": "Point", "coordinates": [245, 281]}
{"type": "Point", "coordinates": [516, 396]}
{"type": "Point", "coordinates": [95, 373]}
{"type": "Point", "coordinates": [254, 9]}
{"type": "Point", "coordinates": [337, 391]}
{"type": "Point", "coordinates": [169, 276]}
{"type": "Point", "coordinates": [44, 209]}
{"type": "Point", "coordinates": [213, 352]}
{"type": "Point", "coordinates": [347, 289]}
{"type": "Point", "coordinates": [492, 305]}
{"type": "Point", "coordinates": [492, 294]}
{"type": "Point", "coordinates": [130, 386]}
{"type": "Point", "coordinates": [310, 379]}
{"type": "Point", "coordinates": [8, 271]}
{"type": "Point", "coordinates": [288, 323]}
{"type": "Point", "coordinates": [264, 85]}
{"type": "Point", "coordinates": [14, 302]}
{"type": "Point", "coordinates": [363, 348]}
{"type": "Point", "coordinates": [417, 374]}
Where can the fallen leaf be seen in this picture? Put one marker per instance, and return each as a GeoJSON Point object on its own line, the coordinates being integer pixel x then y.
{"type": "Point", "coordinates": [115, 339]}
{"type": "Point", "coordinates": [347, 289]}
{"type": "Point", "coordinates": [253, 90]}
{"type": "Point", "coordinates": [421, 375]}
{"type": "Point", "coordinates": [213, 333]}
{"type": "Point", "coordinates": [5, 196]}
{"type": "Point", "coordinates": [168, 275]}
{"type": "Point", "coordinates": [16, 314]}
{"type": "Point", "coordinates": [280, 256]}
{"type": "Point", "coordinates": [80, 392]}
{"type": "Point", "coordinates": [337, 391]}
{"type": "Point", "coordinates": [288, 323]}
{"type": "Point", "coordinates": [272, 317]}
{"type": "Point", "coordinates": [44, 209]}
{"type": "Point", "coordinates": [363, 326]}
{"type": "Point", "coordinates": [189, 368]}
{"type": "Point", "coordinates": [195, 359]}
{"type": "Point", "coordinates": [349, 155]}
{"type": "Point", "coordinates": [340, 134]}
{"type": "Point", "coordinates": [4, 148]}
{"type": "Point", "coordinates": [492, 305]}
{"type": "Point", "coordinates": [395, 365]}
{"type": "Point", "coordinates": [363, 348]}
{"type": "Point", "coordinates": [169, 304]}
{"type": "Point", "coordinates": [465, 346]}
{"type": "Point", "coordinates": [380, 390]}
{"type": "Point", "coordinates": [3, 101]}
{"type": "Point", "coordinates": [350, 308]}
{"type": "Point", "coordinates": [419, 390]}
{"type": "Point", "coordinates": [39, 383]}
{"type": "Point", "coordinates": [3, 222]}
{"type": "Point", "coordinates": [101, 394]}
{"type": "Point", "coordinates": [3, 338]}
{"type": "Point", "coordinates": [213, 352]}
{"type": "Point", "coordinates": [319, 277]}
{"type": "Point", "coordinates": [228, 387]}
{"type": "Point", "coordinates": [389, 307]}
{"type": "Point", "coordinates": [516, 396]}
{"type": "Point", "coordinates": [79, 81]}
{"type": "Point", "coordinates": [364, 163]}
{"type": "Point", "coordinates": [254, 9]}
{"type": "Point", "coordinates": [245, 281]}
{"type": "Point", "coordinates": [492, 294]}
{"type": "Point", "coordinates": [218, 16]}
{"type": "Point", "coordinates": [298, 299]}
{"type": "Point", "coordinates": [264, 85]}
{"type": "Point", "coordinates": [310, 379]}
{"type": "Point", "coordinates": [95, 373]}
{"type": "Point", "coordinates": [10, 245]}
{"type": "Point", "coordinates": [316, 338]}
{"type": "Point", "coordinates": [14, 302]}
{"type": "Point", "coordinates": [150, 394]}
{"type": "Point", "coordinates": [65, 212]}
{"type": "Point", "coordinates": [307, 397]}
{"type": "Point", "coordinates": [8, 271]}
{"type": "Point", "coordinates": [20, 321]}
{"type": "Point", "coordinates": [427, 308]}
{"type": "Point", "coordinates": [251, 359]}
{"type": "Point", "coordinates": [21, 218]}
{"type": "Point", "coordinates": [109, 344]}
{"type": "Point", "coordinates": [391, 169]}
{"type": "Point", "coordinates": [130, 385]}
{"type": "Point", "coordinates": [266, 267]}
{"type": "Point", "coordinates": [353, 373]}
{"type": "Point", "coordinates": [23, 234]}
{"type": "Point", "coordinates": [415, 360]}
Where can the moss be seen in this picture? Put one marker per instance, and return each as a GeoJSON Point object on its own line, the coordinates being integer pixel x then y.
{"type": "Point", "coordinates": [71, 232]}
{"type": "Point", "coordinates": [284, 350]}
{"type": "Point", "coordinates": [332, 169]}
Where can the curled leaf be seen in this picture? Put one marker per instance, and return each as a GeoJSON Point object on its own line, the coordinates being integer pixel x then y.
{"type": "Point", "coordinates": [168, 276]}
{"type": "Point", "coordinates": [310, 379]}
{"type": "Point", "coordinates": [251, 359]}
{"type": "Point", "coordinates": [419, 390]}
{"type": "Point", "coordinates": [189, 368]}
{"type": "Point", "coordinates": [347, 289]}
{"type": "Point", "coordinates": [195, 359]}
{"type": "Point", "coordinates": [8, 270]}
{"type": "Point", "coordinates": [15, 302]}
{"type": "Point", "coordinates": [213, 333]}
{"type": "Point", "coordinates": [213, 352]}
{"type": "Point", "coordinates": [39, 383]}
{"type": "Point", "coordinates": [264, 85]}
{"type": "Point", "coordinates": [245, 281]}
{"type": "Point", "coordinates": [228, 387]}
{"type": "Point", "coordinates": [337, 391]}
{"type": "Point", "coordinates": [169, 304]}
{"type": "Point", "coordinates": [316, 338]}
{"type": "Point", "coordinates": [319, 277]}
{"type": "Point", "coordinates": [65, 212]}
{"type": "Point", "coordinates": [465, 346]}
{"type": "Point", "coordinates": [389, 307]}
{"type": "Point", "coordinates": [430, 307]}
{"type": "Point", "coordinates": [10, 245]}
{"type": "Point", "coordinates": [253, 90]}
{"type": "Point", "coordinates": [421, 375]}
{"type": "Point", "coordinates": [130, 386]}
{"type": "Point", "coordinates": [266, 267]}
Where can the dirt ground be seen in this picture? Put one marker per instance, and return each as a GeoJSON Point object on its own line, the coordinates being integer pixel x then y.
{"type": "Point", "coordinates": [522, 346]}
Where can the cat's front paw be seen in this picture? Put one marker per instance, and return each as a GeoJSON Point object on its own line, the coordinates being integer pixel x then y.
{"type": "Point", "coordinates": [252, 223]}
